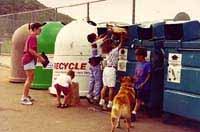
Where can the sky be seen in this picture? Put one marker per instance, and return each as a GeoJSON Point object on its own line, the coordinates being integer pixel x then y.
{"type": "Point", "coordinates": [121, 10]}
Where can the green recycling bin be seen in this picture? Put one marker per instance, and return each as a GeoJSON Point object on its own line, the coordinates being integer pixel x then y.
{"type": "Point", "coordinates": [46, 41]}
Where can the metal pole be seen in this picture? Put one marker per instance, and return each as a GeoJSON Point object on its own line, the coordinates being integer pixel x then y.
{"type": "Point", "coordinates": [13, 16]}
{"type": "Point", "coordinates": [133, 12]}
{"type": "Point", "coordinates": [88, 11]}
{"type": "Point", "coordinates": [56, 11]}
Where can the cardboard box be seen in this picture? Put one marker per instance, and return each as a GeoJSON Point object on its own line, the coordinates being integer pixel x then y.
{"type": "Point", "coordinates": [73, 98]}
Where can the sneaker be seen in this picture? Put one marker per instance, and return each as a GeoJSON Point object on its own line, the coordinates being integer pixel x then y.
{"type": "Point", "coordinates": [89, 98]}
{"type": "Point", "coordinates": [23, 97]}
{"type": "Point", "coordinates": [133, 117]}
{"type": "Point", "coordinates": [31, 99]}
{"type": "Point", "coordinates": [26, 101]}
{"type": "Point", "coordinates": [109, 104]}
{"type": "Point", "coordinates": [96, 98]}
{"type": "Point", "coordinates": [101, 102]}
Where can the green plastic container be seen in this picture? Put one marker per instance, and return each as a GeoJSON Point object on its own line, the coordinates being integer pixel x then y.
{"type": "Point", "coordinates": [46, 43]}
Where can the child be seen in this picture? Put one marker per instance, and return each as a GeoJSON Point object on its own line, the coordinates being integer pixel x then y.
{"type": "Point", "coordinates": [95, 81]}
{"type": "Point", "coordinates": [109, 72]}
{"type": "Point", "coordinates": [63, 84]}
{"type": "Point", "coordinates": [142, 75]}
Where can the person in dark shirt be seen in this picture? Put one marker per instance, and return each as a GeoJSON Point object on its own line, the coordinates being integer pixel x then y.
{"type": "Point", "coordinates": [142, 75]}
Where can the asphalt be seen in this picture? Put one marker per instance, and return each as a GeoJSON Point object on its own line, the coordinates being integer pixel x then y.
{"type": "Point", "coordinates": [43, 116]}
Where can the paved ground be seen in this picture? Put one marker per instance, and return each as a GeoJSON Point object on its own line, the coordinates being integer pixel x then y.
{"type": "Point", "coordinates": [5, 60]}
{"type": "Point", "coordinates": [43, 116]}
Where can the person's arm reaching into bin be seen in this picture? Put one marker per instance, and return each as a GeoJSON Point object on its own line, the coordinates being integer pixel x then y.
{"type": "Point", "coordinates": [121, 42]}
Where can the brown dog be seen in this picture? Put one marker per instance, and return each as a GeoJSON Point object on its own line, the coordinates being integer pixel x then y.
{"type": "Point", "coordinates": [122, 103]}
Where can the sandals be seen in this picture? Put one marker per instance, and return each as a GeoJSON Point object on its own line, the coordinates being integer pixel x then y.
{"type": "Point", "coordinates": [59, 106]}
{"type": "Point", "coordinates": [64, 106]}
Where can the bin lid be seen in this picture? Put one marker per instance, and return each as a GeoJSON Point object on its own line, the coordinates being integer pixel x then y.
{"type": "Point", "coordinates": [47, 38]}
{"type": "Point", "coordinates": [72, 39]}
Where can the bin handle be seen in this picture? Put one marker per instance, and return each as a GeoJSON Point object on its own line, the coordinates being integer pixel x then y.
{"type": "Point", "coordinates": [133, 43]}
{"type": "Point", "coordinates": [158, 69]}
{"type": "Point", "coordinates": [188, 49]}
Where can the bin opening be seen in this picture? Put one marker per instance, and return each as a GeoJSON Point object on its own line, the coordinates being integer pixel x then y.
{"type": "Point", "coordinates": [145, 33]}
{"type": "Point", "coordinates": [173, 31]}
{"type": "Point", "coordinates": [132, 32]}
{"type": "Point", "coordinates": [101, 30]}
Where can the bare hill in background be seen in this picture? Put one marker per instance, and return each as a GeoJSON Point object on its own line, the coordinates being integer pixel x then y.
{"type": "Point", "coordinates": [13, 6]}
{"type": "Point", "coordinates": [8, 24]}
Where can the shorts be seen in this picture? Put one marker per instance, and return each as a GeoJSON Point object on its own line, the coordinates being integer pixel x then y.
{"type": "Point", "coordinates": [60, 89]}
{"type": "Point", "coordinates": [30, 66]}
{"type": "Point", "coordinates": [109, 76]}
{"type": "Point", "coordinates": [142, 94]}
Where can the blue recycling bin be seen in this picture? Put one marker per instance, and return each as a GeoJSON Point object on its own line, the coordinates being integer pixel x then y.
{"type": "Point", "coordinates": [149, 37]}
{"type": "Point", "coordinates": [182, 93]}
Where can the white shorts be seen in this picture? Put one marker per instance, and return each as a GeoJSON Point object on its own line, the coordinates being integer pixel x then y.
{"type": "Point", "coordinates": [30, 65]}
{"type": "Point", "coordinates": [109, 76]}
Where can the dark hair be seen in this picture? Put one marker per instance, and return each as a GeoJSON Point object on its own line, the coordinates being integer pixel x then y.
{"type": "Point", "coordinates": [91, 37]}
{"type": "Point", "coordinates": [141, 51]}
{"type": "Point", "coordinates": [71, 73]}
{"type": "Point", "coordinates": [34, 26]}
{"type": "Point", "coordinates": [107, 46]}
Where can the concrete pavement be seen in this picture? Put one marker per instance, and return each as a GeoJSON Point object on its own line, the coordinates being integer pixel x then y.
{"type": "Point", "coordinates": [43, 116]}
{"type": "Point", "coordinates": [5, 60]}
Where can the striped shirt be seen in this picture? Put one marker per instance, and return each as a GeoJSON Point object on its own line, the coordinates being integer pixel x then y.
{"type": "Point", "coordinates": [112, 57]}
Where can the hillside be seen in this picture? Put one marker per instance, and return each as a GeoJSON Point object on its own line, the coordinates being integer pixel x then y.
{"type": "Point", "coordinates": [12, 6]}
{"type": "Point", "coordinates": [8, 24]}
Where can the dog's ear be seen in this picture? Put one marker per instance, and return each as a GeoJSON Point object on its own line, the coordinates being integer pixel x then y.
{"type": "Point", "coordinates": [121, 79]}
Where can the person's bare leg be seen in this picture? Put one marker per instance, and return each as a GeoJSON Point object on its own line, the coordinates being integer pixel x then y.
{"type": "Point", "coordinates": [136, 108]}
{"type": "Point", "coordinates": [59, 97]}
{"type": "Point", "coordinates": [137, 105]}
{"type": "Point", "coordinates": [103, 92]}
{"type": "Point", "coordinates": [110, 97]}
{"type": "Point", "coordinates": [111, 91]}
{"type": "Point", "coordinates": [66, 97]}
{"type": "Point", "coordinates": [29, 80]}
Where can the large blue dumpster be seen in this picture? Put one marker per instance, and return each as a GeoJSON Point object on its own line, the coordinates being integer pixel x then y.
{"type": "Point", "coordinates": [148, 37]}
{"type": "Point", "coordinates": [182, 85]}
